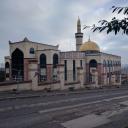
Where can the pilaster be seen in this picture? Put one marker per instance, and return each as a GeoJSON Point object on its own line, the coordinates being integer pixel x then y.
{"type": "Point", "coordinates": [34, 74]}
{"type": "Point", "coordinates": [60, 71]}
{"type": "Point", "coordinates": [49, 72]}
{"type": "Point", "coordinates": [26, 62]}
{"type": "Point", "coordinates": [81, 76]}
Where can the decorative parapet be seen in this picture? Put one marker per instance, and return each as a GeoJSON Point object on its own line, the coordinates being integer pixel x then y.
{"type": "Point", "coordinates": [71, 55]}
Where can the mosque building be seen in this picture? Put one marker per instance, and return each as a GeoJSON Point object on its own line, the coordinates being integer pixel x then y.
{"type": "Point", "coordinates": [45, 66]}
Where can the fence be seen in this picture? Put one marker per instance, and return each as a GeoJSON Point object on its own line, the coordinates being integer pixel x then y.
{"type": "Point", "coordinates": [43, 76]}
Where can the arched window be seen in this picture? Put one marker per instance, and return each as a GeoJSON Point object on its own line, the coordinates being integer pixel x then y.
{"type": "Point", "coordinates": [93, 63]}
{"type": "Point", "coordinates": [111, 67]}
{"type": "Point", "coordinates": [65, 69]}
{"type": "Point", "coordinates": [7, 65]}
{"type": "Point", "coordinates": [113, 63]}
{"type": "Point", "coordinates": [92, 70]}
{"type": "Point", "coordinates": [81, 63]}
{"type": "Point", "coordinates": [43, 74]}
{"type": "Point", "coordinates": [55, 60]}
{"type": "Point", "coordinates": [42, 61]}
{"type": "Point", "coordinates": [104, 63]}
{"type": "Point", "coordinates": [108, 63]}
{"type": "Point", "coordinates": [119, 63]}
{"type": "Point", "coordinates": [116, 63]}
{"type": "Point", "coordinates": [74, 70]}
{"type": "Point", "coordinates": [32, 51]}
{"type": "Point", "coordinates": [104, 66]}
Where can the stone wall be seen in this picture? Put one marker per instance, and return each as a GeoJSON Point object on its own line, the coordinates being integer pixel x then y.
{"type": "Point", "coordinates": [9, 86]}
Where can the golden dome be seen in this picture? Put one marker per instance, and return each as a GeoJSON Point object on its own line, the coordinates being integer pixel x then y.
{"type": "Point", "coordinates": [89, 46]}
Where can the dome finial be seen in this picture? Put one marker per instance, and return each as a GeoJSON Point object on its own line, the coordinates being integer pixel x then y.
{"type": "Point", "coordinates": [89, 38]}
{"type": "Point", "coordinates": [78, 18]}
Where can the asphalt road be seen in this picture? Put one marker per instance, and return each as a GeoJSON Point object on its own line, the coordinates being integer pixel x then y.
{"type": "Point", "coordinates": [52, 111]}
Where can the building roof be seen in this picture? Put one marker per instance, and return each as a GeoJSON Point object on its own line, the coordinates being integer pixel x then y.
{"type": "Point", "coordinates": [29, 41]}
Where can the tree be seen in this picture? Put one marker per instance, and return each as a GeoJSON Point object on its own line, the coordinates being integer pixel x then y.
{"type": "Point", "coordinates": [2, 75]}
{"type": "Point", "coordinates": [115, 25]}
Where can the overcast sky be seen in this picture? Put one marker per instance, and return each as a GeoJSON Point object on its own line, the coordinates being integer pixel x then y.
{"type": "Point", "coordinates": [54, 22]}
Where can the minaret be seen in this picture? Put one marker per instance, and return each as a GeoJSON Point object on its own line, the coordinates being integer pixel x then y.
{"type": "Point", "coordinates": [78, 35]}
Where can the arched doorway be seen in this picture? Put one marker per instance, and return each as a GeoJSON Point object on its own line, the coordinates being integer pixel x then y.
{"type": "Point", "coordinates": [93, 71]}
{"type": "Point", "coordinates": [17, 65]}
{"type": "Point", "coordinates": [7, 65]}
{"type": "Point", "coordinates": [43, 59]}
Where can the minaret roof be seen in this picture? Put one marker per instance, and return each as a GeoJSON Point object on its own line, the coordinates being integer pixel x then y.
{"type": "Point", "coordinates": [78, 21]}
{"type": "Point", "coordinates": [78, 25]}
{"type": "Point", "coordinates": [89, 39]}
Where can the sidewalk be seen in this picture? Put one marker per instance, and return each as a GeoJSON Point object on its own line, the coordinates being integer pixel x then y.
{"type": "Point", "coordinates": [31, 94]}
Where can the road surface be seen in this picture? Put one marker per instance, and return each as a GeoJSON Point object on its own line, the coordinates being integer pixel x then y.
{"type": "Point", "coordinates": [101, 109]}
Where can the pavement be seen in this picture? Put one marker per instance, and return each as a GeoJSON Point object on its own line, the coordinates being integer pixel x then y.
{"type": "Point", "coordinates": [106, 119]}
{"type": "Point", "coordinates": [86, 121]}
{"type": "Point", "coordinates": [31, 94]}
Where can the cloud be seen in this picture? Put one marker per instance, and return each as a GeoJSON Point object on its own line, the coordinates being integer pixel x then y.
{"type": "Point", "coordinates": [54, 22]}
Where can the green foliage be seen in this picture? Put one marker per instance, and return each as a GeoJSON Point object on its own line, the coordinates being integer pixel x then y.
{"type": "Point", "coordinates": [2, 76]}
{"type": "Point", "coordinates": [120, 9]}
{"type": "Point", "coordinates": [115, 25]}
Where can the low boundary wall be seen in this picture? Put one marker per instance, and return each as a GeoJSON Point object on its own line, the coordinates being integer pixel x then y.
{"type": "Point", "coordinates": [11, 85]}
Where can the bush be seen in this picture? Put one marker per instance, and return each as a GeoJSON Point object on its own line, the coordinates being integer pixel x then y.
{"type": "Point", "coordinates": [47, 89]}
{"type": "Point", "coordinates": [71, 88]}
{"type": "Point", "coordinates": [2, 76]}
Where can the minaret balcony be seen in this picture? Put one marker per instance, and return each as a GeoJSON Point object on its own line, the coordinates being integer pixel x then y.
{"type": "Point", "coordinates": [77, 35]}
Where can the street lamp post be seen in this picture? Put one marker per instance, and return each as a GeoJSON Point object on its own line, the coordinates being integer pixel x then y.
{"type": "Point", "coordinates": [17, 78]}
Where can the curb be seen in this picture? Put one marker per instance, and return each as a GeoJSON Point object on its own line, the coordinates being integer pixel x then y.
{"type": "Point", "coordinates": [55, 94]}
{"type": "Point", "coordinates": [18, 97]}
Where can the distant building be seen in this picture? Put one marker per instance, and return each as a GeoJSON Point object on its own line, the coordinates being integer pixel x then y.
{"type": "Point", "coordinates": [87, 66]}
{"type": "Point", "coordinates": [2, 68]}
{"type": "Point", "coordinates": [124, 74]}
